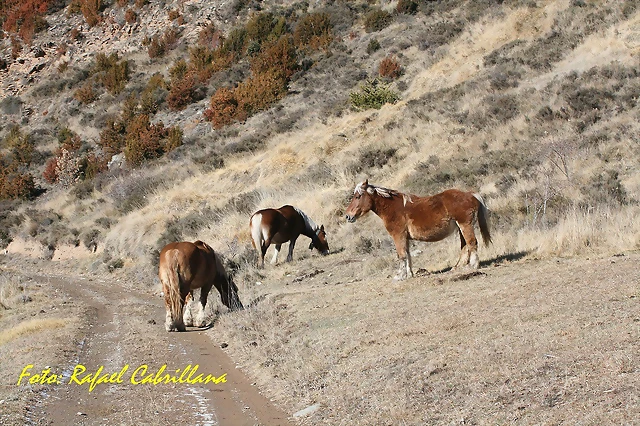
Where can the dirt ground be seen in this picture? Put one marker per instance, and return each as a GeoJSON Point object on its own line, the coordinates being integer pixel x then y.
{"type": "Point", "coordinates": [105, 324]}
{"type": "Point", "coordinates": [334, 340]}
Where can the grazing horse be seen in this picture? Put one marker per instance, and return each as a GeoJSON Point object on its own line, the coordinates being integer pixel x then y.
{"type": "Point", "coordinates": [277, 226]}
{"type": "Point", "coordinates": [409, 217]}
{"type": "Point", "coordinates": [186, 266]}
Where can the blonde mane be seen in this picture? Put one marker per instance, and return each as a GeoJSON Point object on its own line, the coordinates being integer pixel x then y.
{"type": "Point", "coordinates": [383, 192]}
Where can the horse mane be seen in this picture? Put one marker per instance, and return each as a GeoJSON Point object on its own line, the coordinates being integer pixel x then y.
{"type": "Point", "coordinates": [309, 224]}
{"type": "Point", "coordinates": [383, 192]}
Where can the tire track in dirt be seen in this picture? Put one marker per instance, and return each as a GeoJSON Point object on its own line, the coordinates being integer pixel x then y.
{"type": "Point", "coordinates": [123, 328]}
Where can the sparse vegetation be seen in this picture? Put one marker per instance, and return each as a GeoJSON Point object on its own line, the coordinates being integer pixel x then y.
{"type": "Point", "coordinates": [373, 94]}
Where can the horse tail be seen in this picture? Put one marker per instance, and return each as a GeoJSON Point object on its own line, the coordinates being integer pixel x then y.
{"type": "Point", "coordinates": [483, 220]}
{"type": "Point", "coordinates": [256, 232]}
{"type": "Point", "coordinates": [171, 281]}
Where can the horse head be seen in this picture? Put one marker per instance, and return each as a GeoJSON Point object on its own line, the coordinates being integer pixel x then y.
{"type": "Point", "coordinates": [320, 243]}
{"type": "Point", "coordinates": [361, 202]}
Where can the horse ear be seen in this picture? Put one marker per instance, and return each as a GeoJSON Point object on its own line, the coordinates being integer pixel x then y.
{"type": "Point", "coordinates": [322, 228]}
{"type": "Point", "coordinates": [366, 182]}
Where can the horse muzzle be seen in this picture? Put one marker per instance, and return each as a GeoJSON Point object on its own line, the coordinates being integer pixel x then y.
{"type": "Point", "coordinates": [350, 218]}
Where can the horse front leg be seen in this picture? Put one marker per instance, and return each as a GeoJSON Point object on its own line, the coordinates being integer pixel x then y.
{"type": "Point", "coordinates": [292, 244]}
{"type": "Point", "coordinates": [204, 294]}
{"type": "Point", "coordinates": [402, 248]}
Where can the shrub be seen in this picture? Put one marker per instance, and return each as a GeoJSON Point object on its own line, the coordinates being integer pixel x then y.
{"type": "Point", "coordinates": [265, 27]}
{"type": "Point", "coordinates": [91, 11]}
{"type": "Point", "coordinates": [235, 43]}
{"type": "Point", "coordinates": [130, 16]}
{"type": "Point", "coordinates": [182, 92]}
{"type": "Point", "coordinates": [21, 146]}
{"type": "Point", "coordinates": [389, 68]}
{"type": "Point", "coordinates": [223, 108]}
{"type": "Point", "coordinates": [377, 20]}
{"type": "Point", "coordinates": [15, 184]}
{"type": "Point", "coordinates": [111, 72]}
{"type": "Point", "coordinates": [373, 94]}
{"type": "Point", "coordinates": [373, 46]}
{"type": "Point", "coordinates": [85, 94]}
{"type": "Point", "coordinates": [146, 141]}
{"type": "Point", "coordinates": [313, 31]}
{"type": "Point", "coordinates": [69, 140]}
{"type": "Point", "coordinates": [50, 173]}
{"type": "Point", "coordinates": [24, 17]}
{"type": "Point", "coordinates": [93, 164]}
{"type": "Point", "coordinates": [407, 7]}
{"type": "Point", "coordinates": [279, 59]}
{"type": "Point", "coordinates": [605, 188]}
{"type": "Point", "coordinates": [112, 137]}
{"type": "Point", "coordinates": [376, 158]}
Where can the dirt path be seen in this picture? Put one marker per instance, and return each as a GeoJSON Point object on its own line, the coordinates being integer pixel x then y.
{"type": "Point", "coordinates": [126, 329]}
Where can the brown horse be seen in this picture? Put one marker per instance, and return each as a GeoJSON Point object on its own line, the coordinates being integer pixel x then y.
{"type": "Point", "coordinates": [277, 226]}
{"type": "Point", "coordinates": [409, 217]}
{"type": "Point", "coordinates": [186, 266]}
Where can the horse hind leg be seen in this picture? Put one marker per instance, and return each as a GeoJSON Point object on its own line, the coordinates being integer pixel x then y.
{"type": "Point", "coordinates": [469, 243]}
{"type": "Point", "coordinates": [402, 247]}
{"type": "Point", "coordinates": [275, 255]}
{"type": "Point", "coordinates": [187, 316]}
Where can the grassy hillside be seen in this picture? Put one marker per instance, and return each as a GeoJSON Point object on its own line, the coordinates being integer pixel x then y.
{"type": "Point", "coordinates": [534, 104]}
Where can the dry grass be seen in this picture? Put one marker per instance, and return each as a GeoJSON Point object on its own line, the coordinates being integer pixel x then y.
{"type": "Point", "coordinates": [29, 327]}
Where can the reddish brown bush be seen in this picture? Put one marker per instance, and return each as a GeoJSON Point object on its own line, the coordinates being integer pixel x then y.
{"type": "Point", "coordinates": [15, 184]}
{"type": "Point", "coordinates": [182, 92]}
{"type": "Point", "coordinates": [390, 68]}
{"type": "Point", "coordinates": [279, 59]}
{"type": "Point", "coordinates": [50, 173]}
{"type": "Point", "coordinates": [24, 17]}
{"type": "Point", "coordinates": [130, 16]}
{"type": "Point", "coordinates": [259, 92]}
{"type": "Point", "coordinates": [91, 11]}
{"type": "Point", "coordinates": [146, 141]}
{"type": "Point", "coordinates": [223, 108]}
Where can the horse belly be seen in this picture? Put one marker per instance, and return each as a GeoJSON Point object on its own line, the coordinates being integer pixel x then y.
{"type": "Point", "coordinates": [432, 233]}
{"type": "Point", "coordinates": [280, 238]}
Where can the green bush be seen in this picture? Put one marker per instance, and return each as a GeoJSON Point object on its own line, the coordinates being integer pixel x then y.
{"type": "Point", "coordinates": [373, 94]}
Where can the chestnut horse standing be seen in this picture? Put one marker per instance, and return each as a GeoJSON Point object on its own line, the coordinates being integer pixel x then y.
{"type": "Point", "coordinates": [186, 266]}
{"type": "Point", "coordinates": [277, 226]}
{"type": "Point", "coordinates": [409, 217]}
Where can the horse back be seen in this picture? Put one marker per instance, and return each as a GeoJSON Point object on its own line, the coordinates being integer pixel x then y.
{"type": "Point", "coordinates": [193, 262]}
{"type": "Point", "coordinates": [293, 218]}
